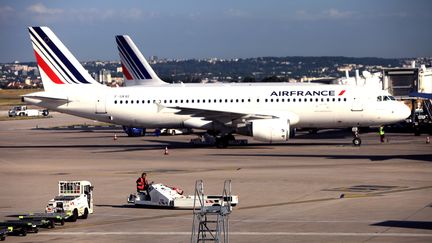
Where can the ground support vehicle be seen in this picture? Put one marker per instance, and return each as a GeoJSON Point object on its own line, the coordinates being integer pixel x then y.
{"type": "Point", "coordinates": [24, 111]}
{"type": "Point", "coordinates": [74, 199]}
{"type": "Point", "coordinates": [169, 197]}
{"type": "Point", "coordinates": [20, 227]}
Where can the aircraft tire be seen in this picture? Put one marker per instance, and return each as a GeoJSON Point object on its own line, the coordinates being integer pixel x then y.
{"type": "Point", "coordinates": [357, 141]}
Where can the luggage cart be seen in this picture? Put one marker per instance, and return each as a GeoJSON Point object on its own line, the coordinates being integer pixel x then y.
{"type": "Point", "coordinates": [4, 231]}
{"type": "Point", "coordinates": [54, 218]}
{"type": "Point", "coordinates": [20, 227]}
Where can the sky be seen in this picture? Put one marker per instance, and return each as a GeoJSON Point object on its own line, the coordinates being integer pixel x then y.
{"type": "Point", "coordinates": [224, 28]}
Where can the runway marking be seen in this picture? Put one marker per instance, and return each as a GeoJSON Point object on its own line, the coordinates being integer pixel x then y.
{"type": "Point", "coordinates": [347, 195]}
{"type": "Point", "coordinates": [242, 234]}
{"type": "Point", "coordinates": [288, 203]}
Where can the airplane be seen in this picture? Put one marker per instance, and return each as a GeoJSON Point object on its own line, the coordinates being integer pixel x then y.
{"type": "Point", "coordinates": [265, 111]}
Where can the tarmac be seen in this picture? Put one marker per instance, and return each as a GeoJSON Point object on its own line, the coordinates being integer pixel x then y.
{"type": "Point", "coordinates": [314, 188]}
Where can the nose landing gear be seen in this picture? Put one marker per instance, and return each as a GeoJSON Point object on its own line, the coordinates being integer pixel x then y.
{"type": "Point", "coordinates": [356, 137]}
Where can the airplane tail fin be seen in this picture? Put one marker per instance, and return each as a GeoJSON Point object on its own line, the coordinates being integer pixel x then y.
{"type": "Point", "coordinates": [135, 67]}
{"type": "Point", "coordinates": [57, 66]}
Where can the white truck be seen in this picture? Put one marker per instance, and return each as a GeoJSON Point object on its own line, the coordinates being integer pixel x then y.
{"type": "Point", "coordinates": [24, 111]}
{"type": "Point", "coordinates": [75, 198]}
{"type": "Point", "coordinates": [163, 196]}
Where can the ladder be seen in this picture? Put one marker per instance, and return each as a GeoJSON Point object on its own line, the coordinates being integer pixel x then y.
{"type": "Point", "coordinates": [210, 223]}
{"type": "Point", "coordinates": [427, 107]}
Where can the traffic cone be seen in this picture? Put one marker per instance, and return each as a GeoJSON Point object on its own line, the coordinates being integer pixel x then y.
{"type": "Point", "coordinates": [166, 151]}
{"type": "Point", "coordinates": [427, 140]}
{"type": "Point", "coordinates": [115, 137]}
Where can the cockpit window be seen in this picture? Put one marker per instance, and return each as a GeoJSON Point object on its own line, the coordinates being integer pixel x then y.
{"type": "Point", "coordinates": [392, 98]}
{"type": "Point", "coordinates": [379, 98]}
{"type": "Point", "coordinates": [386, 98]}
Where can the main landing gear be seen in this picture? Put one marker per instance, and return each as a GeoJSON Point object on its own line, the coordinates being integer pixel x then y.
{"type": "Point", "coordinates": [356, 137]}
{"type": "Point", "coordinates": [223, 141]}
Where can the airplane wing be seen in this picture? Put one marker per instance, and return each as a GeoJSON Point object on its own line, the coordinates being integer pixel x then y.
{"type": "Point", "coordinates": [225, 117]}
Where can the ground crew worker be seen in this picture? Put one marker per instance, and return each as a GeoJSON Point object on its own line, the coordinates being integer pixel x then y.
{"type": "Point", "coordinates": [381, 133]}
{"type": "Point", "coordinates": [142, 183]}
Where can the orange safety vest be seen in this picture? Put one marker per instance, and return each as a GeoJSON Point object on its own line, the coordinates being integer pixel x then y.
{"type": "Point", "coordinates": [141, 183]}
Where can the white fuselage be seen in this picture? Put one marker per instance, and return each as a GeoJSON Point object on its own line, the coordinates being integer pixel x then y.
{"type": "Point", "coordinates": [305, 105]}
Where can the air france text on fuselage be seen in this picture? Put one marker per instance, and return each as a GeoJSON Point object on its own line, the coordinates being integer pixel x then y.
{"type": "Point", "coordinates": [304, 93]}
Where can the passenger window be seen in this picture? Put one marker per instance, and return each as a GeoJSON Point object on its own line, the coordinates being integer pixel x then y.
{"type": "Point", "coordinates": [137, 101]}
{"type": "Point", "coordinates": [115, 101]}
{"type": "Point", "coordinates": [121, 101]}
{"type": "Point", "coordinates": [126, 102]}
{"type": "Point", "coordinates": [257, 100]}
{"type": "Point", "coordinates": [131, 101]}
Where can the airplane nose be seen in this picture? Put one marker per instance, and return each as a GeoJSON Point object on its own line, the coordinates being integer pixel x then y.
{"type": "Point", "coordinates": [404, 112]}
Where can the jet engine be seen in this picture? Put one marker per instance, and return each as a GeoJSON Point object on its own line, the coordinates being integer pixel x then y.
{"type": "Point", "coordinates": [269, 130]}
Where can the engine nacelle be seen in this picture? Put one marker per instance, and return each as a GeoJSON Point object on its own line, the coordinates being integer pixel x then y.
{"type": "Point", "coordinates": [271, 130]}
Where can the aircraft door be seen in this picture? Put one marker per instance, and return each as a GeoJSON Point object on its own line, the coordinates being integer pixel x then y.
{"type": "Point", "coordinates": [100, 105]}
{"type": "Point", "coordinates": [357, 104]}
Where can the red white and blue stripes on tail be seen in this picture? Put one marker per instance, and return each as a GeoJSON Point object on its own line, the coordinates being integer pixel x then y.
{"type": "Point", "coordinates": [56, 64]}
{"type": "Point", "coordinates": [135, 66]}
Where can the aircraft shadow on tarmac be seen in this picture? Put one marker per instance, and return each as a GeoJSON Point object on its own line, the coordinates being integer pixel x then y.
{"type": "Point", "coordinates": [420, 157]}
{"type": "Point", "coordinates": [406, 224]}
{"type": "Point", "coordinates": [139, 206]}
